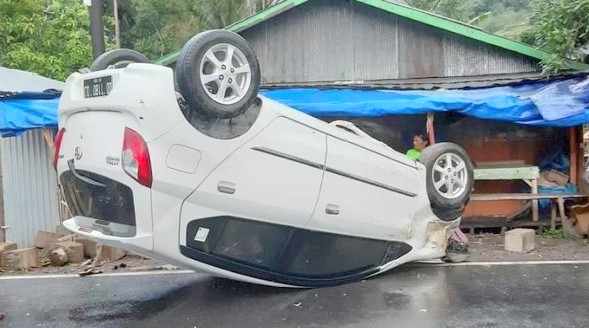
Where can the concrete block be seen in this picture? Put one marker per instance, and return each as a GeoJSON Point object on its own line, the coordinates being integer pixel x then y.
{"type": "Point", "coordinates": [8, 246]}
{"type": "Point", "coordinates": [45, 239]}
{"type": "Point", "coordinates": [89, 246]}
{"type": "Point", "coordinates": [108, 253]}
{"type": "Point", "coordinates": [20, 259]}
{"type": "Point", "coordinates": [74, 250]}
{"type": "Point", "coordinates": [520, 240]}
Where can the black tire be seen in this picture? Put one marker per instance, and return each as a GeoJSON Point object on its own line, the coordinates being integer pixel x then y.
{"type": "Point", "coordinates": [188, 75]}
{"type": "Point", "coordinates": [452, 207]}
{"type": "Point", "coordinates": [119, 58]}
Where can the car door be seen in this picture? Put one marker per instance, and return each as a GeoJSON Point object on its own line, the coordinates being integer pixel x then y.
{"type": "Point", "coordinates": [273, 178]}
{"type": "Point", "coordinates": [365, 193]}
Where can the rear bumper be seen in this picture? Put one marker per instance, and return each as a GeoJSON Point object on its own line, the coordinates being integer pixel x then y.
{"type": "Point", "coordinates": [139, 243]}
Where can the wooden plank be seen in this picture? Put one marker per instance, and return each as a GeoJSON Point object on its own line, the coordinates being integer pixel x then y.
{"type": "Point", "coordinates": [521, 196]}
{"type": "Point", "coordinates": [501, 222]}
{"type": "Point", "coordinates": [510, 163]}
{"type": "Point", "coordinates": [506, 172]}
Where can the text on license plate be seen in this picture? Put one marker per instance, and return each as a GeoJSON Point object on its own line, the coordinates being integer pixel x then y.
{"type": "Point", "coordinates": [98, 87]}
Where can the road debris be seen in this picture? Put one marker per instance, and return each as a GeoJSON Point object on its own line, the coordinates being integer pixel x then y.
{"type": "Point", "coordinates": [90, 271]}
{"type": "Point", "coordinates": [86, 263]}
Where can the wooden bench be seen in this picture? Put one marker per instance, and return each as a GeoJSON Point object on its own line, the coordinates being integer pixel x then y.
{"type": "Point", "coordinates": [557, 201]}
{"type": "Point", "coordinates": [511, 170]}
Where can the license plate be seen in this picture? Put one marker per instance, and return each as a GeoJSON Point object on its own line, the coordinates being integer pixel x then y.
{"type": "Point", "coordinates": [97, 87]}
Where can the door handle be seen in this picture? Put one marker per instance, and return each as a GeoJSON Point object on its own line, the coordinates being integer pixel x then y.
{"type": "Point", "coordinates": [226, 187]}
{"type": "Point", "coordinates": [332, 209]}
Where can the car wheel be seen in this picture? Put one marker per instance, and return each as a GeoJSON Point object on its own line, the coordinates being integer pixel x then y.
{"type": "Point", "coordinates": [450, 177]}
{"type": "Point", "coordinates": [118, 58]}
{"type": "Point", "coordinates": [218, 74]}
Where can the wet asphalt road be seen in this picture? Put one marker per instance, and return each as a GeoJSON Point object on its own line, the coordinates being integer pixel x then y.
{"type": "Point", "coordinates": [547, 295]}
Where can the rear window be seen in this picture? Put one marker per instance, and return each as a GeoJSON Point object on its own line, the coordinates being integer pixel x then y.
{"type": "Point", "coordinates": [112, 202]}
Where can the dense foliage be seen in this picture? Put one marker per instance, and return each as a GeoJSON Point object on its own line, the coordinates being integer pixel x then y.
{"type": "Point", "coordinates": [51, 37]}
{"type": "Point", "coordinates": [47, 37]}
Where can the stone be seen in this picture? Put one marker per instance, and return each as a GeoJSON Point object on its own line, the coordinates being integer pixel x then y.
{"type": "Point", "coordinates": [45, 239]}
{"type": "Point", "coordinates": [74, 250]}
{"type": "Point", "coordinates": [520, 240]}
{"type": "Point", "coordinates": [58, 257]}
{"type": "Point", "coordinates": [20, 259]}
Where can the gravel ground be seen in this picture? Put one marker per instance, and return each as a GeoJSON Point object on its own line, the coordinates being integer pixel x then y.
{"type": "Point", "coordinates": [490, 248]}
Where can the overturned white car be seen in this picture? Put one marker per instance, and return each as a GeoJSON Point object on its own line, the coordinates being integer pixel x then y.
{"type": "Point", "coordinates": [215, 178]}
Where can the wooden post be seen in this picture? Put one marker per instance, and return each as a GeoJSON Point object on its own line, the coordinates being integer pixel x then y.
{"type": "Point", "coordinates": [430, 128]}
{"type": "Point", "coordinates": [552, 214]}
{"type": "Point", "coordinates": [535, 211]}
{"type": "Point", "coordinates": [560, 201]}
{"type": "Point", "coordinates": [2, 222]}
{"type": "Point", "coordinates": [574, 151]}
{"type": "Point", "coordinates": [117, 24]}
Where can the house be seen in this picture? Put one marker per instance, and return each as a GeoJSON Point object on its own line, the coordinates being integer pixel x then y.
{"type": "Point", "coordinates": [378, 44]}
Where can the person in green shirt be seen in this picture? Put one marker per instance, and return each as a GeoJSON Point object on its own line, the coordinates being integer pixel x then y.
{"type": "Point", "coordinates": [420, 141]}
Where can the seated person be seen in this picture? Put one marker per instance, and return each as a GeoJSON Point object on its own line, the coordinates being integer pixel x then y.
{"type": "Point", "coordinates": [420, 141]}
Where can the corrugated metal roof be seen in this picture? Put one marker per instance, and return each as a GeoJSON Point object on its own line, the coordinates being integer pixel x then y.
{"type": "Point", "coordinates": [408, 12]}
{"type": "Point", "coordinates": [454, 82]}
{"type": "Point", "coordinates": [17, 80]}
{"type": "Point", "coordinates": [30, 187]}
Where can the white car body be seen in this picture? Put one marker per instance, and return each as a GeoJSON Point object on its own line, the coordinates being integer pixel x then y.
{"type": "Point", "coordinates": [288, 175]}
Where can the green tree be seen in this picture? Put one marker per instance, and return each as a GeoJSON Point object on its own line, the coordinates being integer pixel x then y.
{"type": "Point", "coordinates": [48, 37]}
{"type": "Point", "coordinates": [156, 28]}
{"type": "Point", "coordinates": [560, 27]}
{"type": "Point", "coordinates": [456, 9]}
{"type": "Point", "coordinates": [508, 18]}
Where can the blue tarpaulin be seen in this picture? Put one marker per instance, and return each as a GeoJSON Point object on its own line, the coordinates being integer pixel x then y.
{"type": "Point", "coordinates": [557, 103]}
{"type": "Point", "coordinates": [28, 110]}
{"type": "Point", "coordinates": [560, 103]}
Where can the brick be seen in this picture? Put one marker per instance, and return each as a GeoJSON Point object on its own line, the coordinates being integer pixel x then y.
{"type": "Point", "coordinates": [520, 240]}
{"type": "Point", "coordinates": [74, 250]}
{"type": "Point", "coordinates": [45, 239]}
{"type": "Point", "coordinates": [89, 246]}
{"type": "Point", "coordinates": [21, 259]}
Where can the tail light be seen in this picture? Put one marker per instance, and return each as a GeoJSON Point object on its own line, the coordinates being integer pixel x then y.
{"type": "Point", "coordinates": [57, 146]}
{"type": "Point", "coordinates": [135, 158]}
